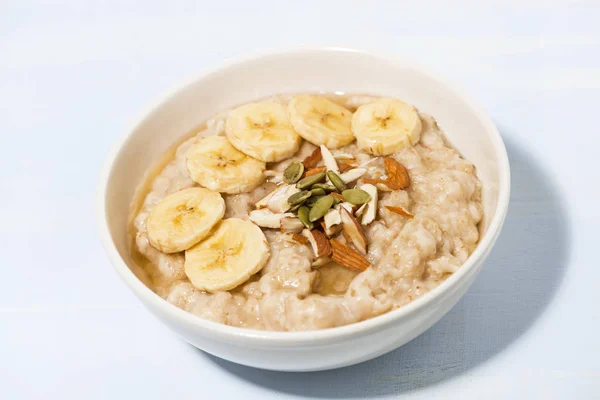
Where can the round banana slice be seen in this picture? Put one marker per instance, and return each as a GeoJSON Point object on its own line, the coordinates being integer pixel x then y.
{"type": "Point", "coordinates": [214, 163]}
{"type": "Point", "coordinates": [321, 121]}
{"type": "Point", "coordinates": [263, 131]}
{"type": "Point", "coordinates": [182, 219]}
{"type": "Point", "coordinates": [235, 251]}
{"type": "Point", "coordinates": [386, 126]}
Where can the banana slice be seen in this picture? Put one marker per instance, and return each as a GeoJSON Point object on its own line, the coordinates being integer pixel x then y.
{"type": "Point", "coordinates": [184, 218]}
{"type": "Point", "coordinates": [214, 163]}
{"type": "Point", "coordinates": [236, 250]}
{"type": "Point", "coordinates": [386, 126]}
{"type": "Point", "coordinates": [321, 121]}
{"type": "Point", "coordinates": [263, 131]}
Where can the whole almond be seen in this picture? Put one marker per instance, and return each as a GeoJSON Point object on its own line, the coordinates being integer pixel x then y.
{"type": "Point", "coordinates": [396, 172]}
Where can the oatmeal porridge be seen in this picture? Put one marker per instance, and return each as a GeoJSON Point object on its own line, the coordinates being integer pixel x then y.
{"type": "Point", "coordinates": [306, 212]}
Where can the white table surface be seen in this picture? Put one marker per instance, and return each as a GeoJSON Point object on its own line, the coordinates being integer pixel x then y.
{"type": "Point", "coordinates": [72, 75]}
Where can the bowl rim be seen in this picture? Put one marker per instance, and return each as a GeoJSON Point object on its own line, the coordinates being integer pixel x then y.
{"type": "Point", "coordinates": [227, 333]}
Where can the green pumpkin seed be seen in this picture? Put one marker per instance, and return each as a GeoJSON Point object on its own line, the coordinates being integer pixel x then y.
{"type": "Point", "coordinates": [298, 198]}
{"type": "Point", "coordinates": [312, 200]}
{"type": "Point", "coordinates": [297, 206]}
{"type": "Point", "coordinates": [317, 192]}
{"type": "Point", "coordinates": [303, 217]}
{"type": "Point", "coordinates": [293, 172]}
{"type": "Point", "coordinates": [310, 180]}
{"type": "Point", "coordinates": [356, 196]}
{"type": "Point", "coordinates": [336, 201]}
{"type": "Point", "coordinates": [320, 208]}
{"type": "Point", "coordinates": [337, 181]}
{"type": "Point", "coordinates": [326, 187]}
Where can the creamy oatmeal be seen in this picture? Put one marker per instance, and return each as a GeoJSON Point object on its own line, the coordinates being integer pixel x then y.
{"type": "Point", "coordinates": [299, 213]}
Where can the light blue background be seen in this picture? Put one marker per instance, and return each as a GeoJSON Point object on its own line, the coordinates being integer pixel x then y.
{"type": "Point", "coordinates": [73, 74]}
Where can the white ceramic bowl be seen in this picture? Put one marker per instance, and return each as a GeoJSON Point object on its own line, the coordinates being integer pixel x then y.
{"type": "Point", "coordinates": [305, 70]}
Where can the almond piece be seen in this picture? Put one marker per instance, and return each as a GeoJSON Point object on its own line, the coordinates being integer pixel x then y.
{"type": "Point", "coordinates": [396, 173]}
{"type": "Point", "coordinates": [267, 219]}
{"type": "Point", "coordinates": [328, 160]}
{"type": "Point", "coordinates": [291, 224]}
{"type": "Point", "coordinates": [361, 210]}
{"type": "Point", "coordinates": [313, 159]}
{"type": "Point", "coordinates": [299, 238]}
{"type": "Point", "coordinates": [400, 211]}
{"type": "Point", "coordinates": [346, 167]}
{"type": "Point", "coordinates": [262, 203]}
{"type": "Point", "coordinates": [274, 176]}
{"type": "Point", "coordinates": [353, 174]}
{"type": "Point", "coordinates": [330, 222]}
{"type": "Point", "coordinates": [278, 203]}
{"type": "Point", "coordinates": [354, 231]}
{"type": "Point", "coordinates": [347, 256]}
{"type": "Point", "coordinates": [319, 242]}
{"type": "Point", "coordinates": [348, 206]}
{"type": "Point", "coordinates": [371, 211]}
{"type": "Point", "coordinates": [344, 157]}
{"type": "Point", "coordinates": [314, 171]}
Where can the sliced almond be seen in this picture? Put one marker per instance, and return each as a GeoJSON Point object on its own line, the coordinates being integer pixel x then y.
{"type": "Point", "coordinates": [361, 210]}
{"type": "Point", "coordinates": [313, 159]}
{"type": "Point", "coordinates": [274, 176]}
{"type": "Point", "coordinates": [344, 157]}
{"type": "Point", "coordinates": [354, 231]}
{"type": "Point", "coordinates": [368, 162]}
{"type": "Point", "coordinates": [262, 203]}
{"type": "Point", "coordinates": [332, 231]}
{"type": "Point", "coordinates": [353, 174]}
{"type": "Point", "coordinates": [346, 167]}
{"type": "Point", "coordinates": [278, 202]}
{"type": "Point", "coordinates": [291, 224]}
{"type": "Point", "coordinates": [347, 256]}
{"type": "Point", "coordinates": [266, 218]}
{"type": "Point", "coordinates": [396, 173]}
{"type": "Point", "coordinates": [371, 211]}
{"type": "Point", "coordinates": [400, 211]}
{"type": "Point", "coordinates": [299, 238]}
{"type": "Point", "coordinates": [318, 241]}
{"type": "Point", "coordinates": [328, 160]}
{"type": "Point", "coordinates": [347, 206]}
{"type": "Point", "coordinates": [332, 218]}
{"type": "Point", "coordinates": [314, 171]}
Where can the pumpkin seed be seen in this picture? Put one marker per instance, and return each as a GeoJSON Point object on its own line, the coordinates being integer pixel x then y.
{"type": "Point", "coordinates": [298, 198]}
{"type": "Point", "coordinates": [337, 181]}
{"type": "Point", "coordinates": [293, 172]}
{"type": "Point", "coordinates": [297, 206]}
{"type": "Point", "coordinates": [303, 217]}
{"type": "Point", "coordinates": [317, 192]}
{"type": "Point", "coordinates": [312, 200]}
{"type": "Point", "coordinates": [336, 201]}
{"type": "Point", "coordinates": [326, 187]}
{"type": "Point", "coordinates": [356, 196]}
{"type": "Point", "coordinates": [310, 180]}
{"type": "Point", "coordinates": [320, 208]}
